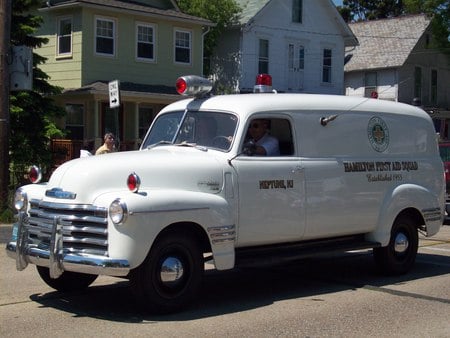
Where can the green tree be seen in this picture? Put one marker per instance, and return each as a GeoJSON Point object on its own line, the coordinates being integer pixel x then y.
{"type": "Point", "coordinates": [361, 10]}
{"type": "Point", "coordinates": [221, 12]}
{"type": "Point", "coordinates": [31, 112]}
{"type": "Point", "coordinates": [440, 25]}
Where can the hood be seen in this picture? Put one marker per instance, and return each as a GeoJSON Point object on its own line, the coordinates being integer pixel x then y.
{"type": "Point", "coordinates": [164, 167]}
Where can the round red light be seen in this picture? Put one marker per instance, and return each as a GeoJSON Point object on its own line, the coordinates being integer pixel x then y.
{"type": "Point", "coordinates": [34, 174]}
{"type": "Point", "coordinates": [264, 79]}
{"type": "Point", "coordinates": [181, 86]}
{"type": "Point", "coordinates": [133, 182]}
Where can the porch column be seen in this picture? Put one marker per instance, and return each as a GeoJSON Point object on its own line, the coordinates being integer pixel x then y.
{"type": "Point", "coordinates": [97, 136]}
{"type": "Point", "coordinates": [136, 123]}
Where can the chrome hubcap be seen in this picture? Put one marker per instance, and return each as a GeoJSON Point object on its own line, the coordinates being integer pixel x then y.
{"type": "Point", "coordinates": [401, 243]}
{"type": "Point", "coordinates": [171, 271]}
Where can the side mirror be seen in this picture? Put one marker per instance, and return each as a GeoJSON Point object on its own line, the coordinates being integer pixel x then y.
{"type": "Point", "coordinates": [249, 148]}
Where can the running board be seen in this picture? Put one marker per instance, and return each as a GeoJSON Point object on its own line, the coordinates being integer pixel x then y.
{"type": "Point", "coordinates": [280, 253]}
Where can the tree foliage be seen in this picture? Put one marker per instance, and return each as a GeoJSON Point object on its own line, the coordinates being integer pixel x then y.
{"type": "Point", "coordinates": [223, 13]}
{"type": "Point", "coordinates": [31, 112]}
{"type": "Point", "coordinates": [372, 9]}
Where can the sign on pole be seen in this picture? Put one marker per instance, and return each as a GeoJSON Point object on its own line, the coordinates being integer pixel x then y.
{"type": "Point", "coordinates": [114, 97]}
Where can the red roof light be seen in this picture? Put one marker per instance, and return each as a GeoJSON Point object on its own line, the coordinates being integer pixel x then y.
{"type": "Point", "coordinates": [264, 79]}
{"type": "Point", "coordinates": [181, 86]}
{"type": "Point", "coordinates": [263, 84]}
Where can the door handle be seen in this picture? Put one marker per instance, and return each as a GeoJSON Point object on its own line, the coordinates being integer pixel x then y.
{"type": "Point", "coordinates": [297, 168]}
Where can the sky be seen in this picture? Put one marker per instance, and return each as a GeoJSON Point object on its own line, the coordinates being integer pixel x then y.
{"type": "Point", "coordinates": [338, 2]}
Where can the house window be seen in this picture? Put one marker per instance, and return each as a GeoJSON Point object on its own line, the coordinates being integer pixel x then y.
{"type": "Point", "coordinates": [104, 36]}
{"type": "Point", "coordinates": [263, 58]}
{"type": "Point", "coordinates": [182, 47]}
{"type": "Point", "coordinates": [418, 82]}
{"type": "Point", "coordinates": [301, 57]}
{"type": "Point", "coordinates": [297, 10]}
{"type": "Point", "coordinates": [370, 84]}
{"type": "Point", "coordinates": [146, 116]}
{"type": "Point", "coordinates": [75, 121]}
{"type": "Point", "coordinates": [434, 86]}
{"type": "Point", "coordinates": [326, 65]}
{"type": "Point", "coordinates": [145, 42]}
{"type": "Point", "coordinates": [64, 40]}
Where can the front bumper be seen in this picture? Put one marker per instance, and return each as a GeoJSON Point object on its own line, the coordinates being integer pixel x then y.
{"type": "Point", "coordinates": [56, 259]}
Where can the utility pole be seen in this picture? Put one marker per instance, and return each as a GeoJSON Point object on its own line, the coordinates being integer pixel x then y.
{"type": "Point", "coordinates": [5, 32]}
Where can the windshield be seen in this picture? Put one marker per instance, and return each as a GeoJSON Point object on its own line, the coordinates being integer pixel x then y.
{"type": "Point", "coordinates": [207, 129]}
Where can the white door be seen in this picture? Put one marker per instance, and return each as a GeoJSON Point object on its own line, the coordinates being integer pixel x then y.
{"type": "Point", "coordinates": [296, 66]}
{"type": "Point", "coordinates": [271, 199]}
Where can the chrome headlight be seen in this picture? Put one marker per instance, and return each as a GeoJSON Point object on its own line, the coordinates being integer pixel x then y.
{"type": "Point", "coordinates": [118, 211]}
{"type": "Point", "coordinates": [20, 200]}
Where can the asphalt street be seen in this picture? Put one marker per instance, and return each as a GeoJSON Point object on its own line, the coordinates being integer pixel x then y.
{"type": "Point", "coordinates": [337, 296]}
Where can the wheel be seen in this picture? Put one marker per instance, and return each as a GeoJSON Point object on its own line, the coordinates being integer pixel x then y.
{"type": "Point", "coordinates": [400, 254]}
{"type": "Point", "coordinates": [170, 277]}
{"type": "Point", "coordinates": [68, 281]}
{"type": "Point", "coordinates": [221, 142]}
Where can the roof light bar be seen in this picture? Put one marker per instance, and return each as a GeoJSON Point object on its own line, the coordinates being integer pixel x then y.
{"type": "Point", "coordinates": [193, 85]}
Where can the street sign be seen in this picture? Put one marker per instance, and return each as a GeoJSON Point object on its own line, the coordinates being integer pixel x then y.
{"type": "Point", "coordinates": [114, 97]}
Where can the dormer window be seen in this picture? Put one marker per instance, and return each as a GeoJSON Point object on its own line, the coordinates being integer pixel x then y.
{"type": "Point", "coordinates": [64, 40]}
{"type": "Point", "coordinates": [297, 11]}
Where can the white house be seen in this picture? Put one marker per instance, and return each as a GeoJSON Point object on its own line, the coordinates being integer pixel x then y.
{"type": "Point", "coordinates": [395, 61]}
{"type": "Point", "coordinates": [301, 43]}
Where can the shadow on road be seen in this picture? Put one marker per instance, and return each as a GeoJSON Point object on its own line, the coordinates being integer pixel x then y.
{"type": "Point", "coordinates": [240, 290]}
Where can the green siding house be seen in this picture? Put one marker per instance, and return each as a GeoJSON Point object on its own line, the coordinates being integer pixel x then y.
{"type": "Point", "coordinates": [144, 44]}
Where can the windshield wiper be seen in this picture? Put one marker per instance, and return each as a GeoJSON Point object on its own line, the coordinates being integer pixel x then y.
{"type": "Point", "coordinates": [158, 144]}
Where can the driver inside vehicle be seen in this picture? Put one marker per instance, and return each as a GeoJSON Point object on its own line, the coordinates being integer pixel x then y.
{"type": "Point", "coordinates": [263, 143]}
{"type": "Point", "coordinates": [206, 131]}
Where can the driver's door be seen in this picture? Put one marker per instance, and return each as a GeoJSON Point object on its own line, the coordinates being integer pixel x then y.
{"type": "Point", "coordinates": [271, 200]}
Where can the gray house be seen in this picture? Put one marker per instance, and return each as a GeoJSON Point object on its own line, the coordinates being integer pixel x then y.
{"type": "Point", "coordinates": [300, 43]}
{"type": "Point", "coordinates": [395, 61]}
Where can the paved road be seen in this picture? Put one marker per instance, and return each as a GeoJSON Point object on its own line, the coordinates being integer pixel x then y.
{"type": "Point", "coordinates": [339, 296]}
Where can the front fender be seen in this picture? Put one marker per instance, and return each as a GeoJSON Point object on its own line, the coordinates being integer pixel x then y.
{"type": "Point", "coordinates": [149, 212]}
{"type": "Point", "coordinates": [403, 197]}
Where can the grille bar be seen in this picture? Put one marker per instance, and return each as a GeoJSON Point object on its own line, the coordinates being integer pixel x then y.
{"type": "Point", "coordinates": [84, 227]}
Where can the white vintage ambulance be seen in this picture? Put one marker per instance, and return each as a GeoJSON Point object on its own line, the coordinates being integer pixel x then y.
{"type": "Point", "coordinates": [343, 174]}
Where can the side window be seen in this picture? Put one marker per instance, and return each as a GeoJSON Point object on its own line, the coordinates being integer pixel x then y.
{"type": "Point", "coordinates": [64, 39]}
{"type": "Point", "coordinates": [297, 11]}
{"type": "Point", "coordinates": [327, 65]}
{"type": "Point", "coordinates": [145, 42]}
{"type": "Point", "coordinates": [105, 36]}
{"type": "Point", "coordinates": [183, 46]}
{"type": "Point", "coordinates": [272, 136]}
{"type": "Point", "coordinates": [263, 57]}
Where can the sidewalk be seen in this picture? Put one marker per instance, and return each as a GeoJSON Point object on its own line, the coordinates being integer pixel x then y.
{"type": "Point", "coordinates": [5, 232]}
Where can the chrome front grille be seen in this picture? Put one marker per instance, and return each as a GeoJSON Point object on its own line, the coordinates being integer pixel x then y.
{"type": "Point", "coordinates": [84, 227]}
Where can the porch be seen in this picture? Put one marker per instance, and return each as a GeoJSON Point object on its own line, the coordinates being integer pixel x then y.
{"type": "Point", "coordinates": [64, 150]}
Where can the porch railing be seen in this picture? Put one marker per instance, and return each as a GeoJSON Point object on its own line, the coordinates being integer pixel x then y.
{"type": "Point", "coordinates": [65, 150]}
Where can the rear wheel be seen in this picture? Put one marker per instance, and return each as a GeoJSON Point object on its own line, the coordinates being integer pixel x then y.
{"type": "Point", "coordinates": [170, 277]}
{"type": "Point", "coordinates": [400, 254]}
{"type": "Point", "coordinates": [68, 281]}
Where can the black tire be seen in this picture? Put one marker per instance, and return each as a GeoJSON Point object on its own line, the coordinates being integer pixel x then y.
{"type": "Point", "coordinates": [68, 281]}
{"type": "Point", "coordinates": [399, 255]}
{"type": "Point", "coordinates": [181, 253]}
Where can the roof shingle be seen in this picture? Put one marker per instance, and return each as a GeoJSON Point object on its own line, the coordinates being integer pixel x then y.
{"type": "Point", "coordinates": [385, 43]}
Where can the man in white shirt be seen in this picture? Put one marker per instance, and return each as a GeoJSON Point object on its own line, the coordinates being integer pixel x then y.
{"type": "Point", "coordinates": [266, 145]}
